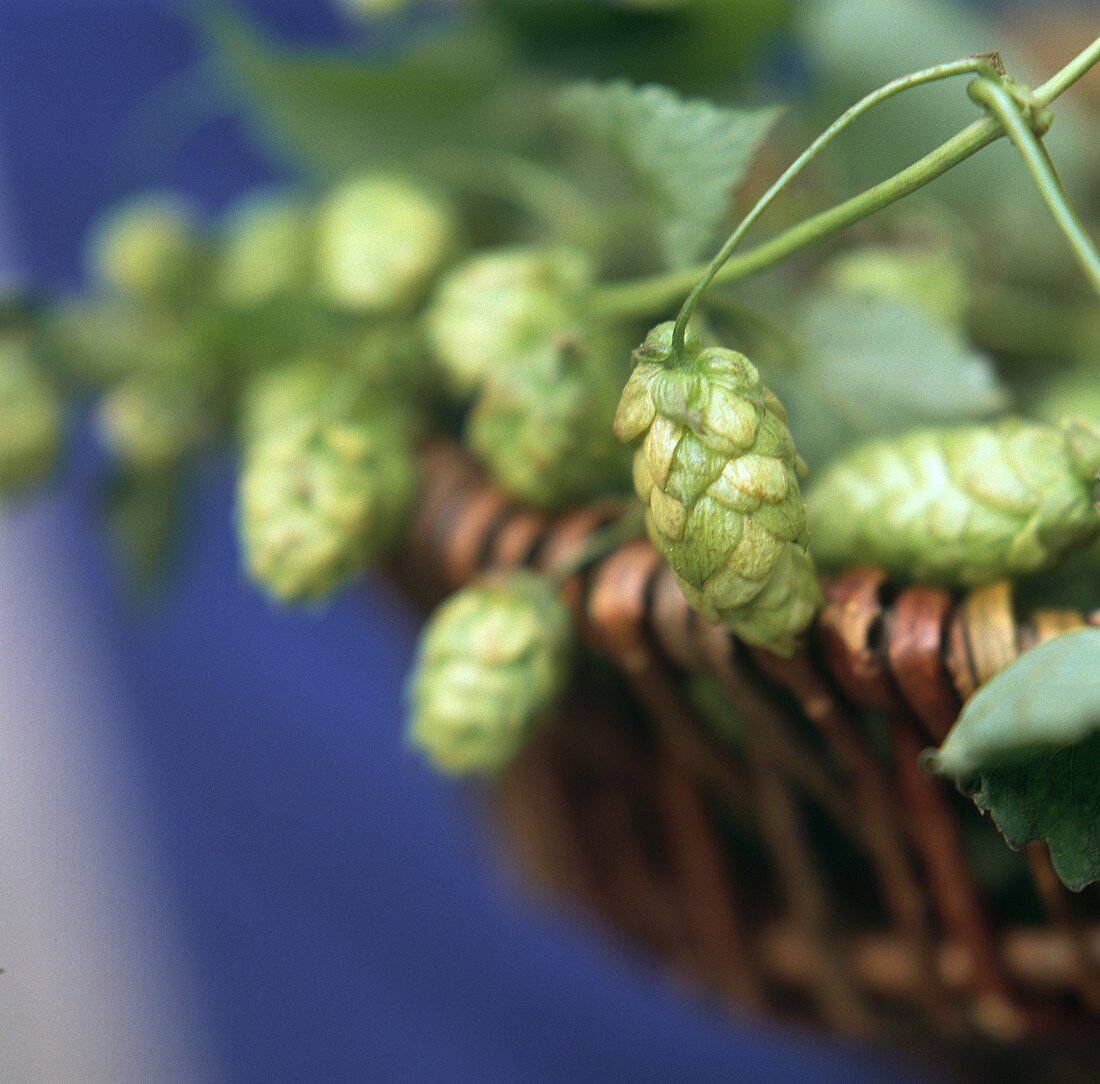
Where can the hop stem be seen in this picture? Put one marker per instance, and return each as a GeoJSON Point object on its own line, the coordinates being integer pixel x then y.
{"type": "Point", "coordinates": [968, 65]}
{"type": "Point", "coordinates": [1000, 103]}
{"type": "Point", "coordinates": [642, 297]}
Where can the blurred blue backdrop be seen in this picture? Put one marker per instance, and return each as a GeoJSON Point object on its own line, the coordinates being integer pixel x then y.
{"type": "Point", "coordinates": [344, 918]}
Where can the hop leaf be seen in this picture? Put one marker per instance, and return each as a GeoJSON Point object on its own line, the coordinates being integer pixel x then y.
{"type": "Point", "coordinates": [1027, 750]}
{"type": "Point", "coordinates": [965, 505]}
{"type": "Point", "coordinates": [380, 240]}
{"type": "Point", "coordinates": [717, 469]}
{"type": "Point", "coordinates": [544, 427]}
{"type": "Point", "coordinates": [266, 251]}
{"type": "Point", "coordinates": [148, 249]}
{"type": "Point", "coordinates": [685, 156]}
{"type": "Point", "coordinates": [491, 663]}
{"type": "Point", "coordinates": [322, 497]}
{"type": "Point", "coordinates": [332, 111]}
{"type": "Point", "coordinates": [932, 278]}
{"type": "Point", "coordinates": [868, 366]}
{"type": "Point", "coordinates": [499, 305]}
{"type": "Point", "coordinates": [31, 420]}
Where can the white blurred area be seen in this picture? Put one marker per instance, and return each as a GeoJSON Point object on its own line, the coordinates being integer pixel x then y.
{"type": "Point", "coordinates": [96, 987]}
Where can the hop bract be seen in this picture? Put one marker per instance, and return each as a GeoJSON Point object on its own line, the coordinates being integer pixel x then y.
{"type": "Point", "coordinates": [380, 240]}
{"type": "Point", "coordinates": [963, 505]}
{"type": "Point", "coordinates": [717, 469]}
{"type": "Point", "coordinates": [544, 427]}
{"type": "Point", "coordinates": [320, 498]}
{"type": "Point", "coordinates": [148, 249]}
{"type": "Point", "coordinates": [500, 305]}
{"type": "Point", "coordinates": [30, 420]}
{"type": "Point", "coordinates": [491, 663]}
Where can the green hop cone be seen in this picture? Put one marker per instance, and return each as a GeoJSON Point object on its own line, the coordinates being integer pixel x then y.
{"type": "Point", "coordinates": [499, 305]}
{"type": "Point", "coordinates": [544, 428]}
{"type": "Point", "coordinates": [491, 663]}
{"type": "Point", "coordinates": [150, 422]}
{"type": "Point", "coordinates": [717, 470]}
{"type": "Point", "coordinates": [322, 497]}
{"type": "Point", "coordinates": [380, 242]}
{"type": "Point", "coordinates": [372, 369]}
{"type": "Point", "coordinates": [31, 420]}
{"type": "Point", "coordinates": [961, 506]}
{"type": "Point", "coordinates": [266, 252]}
{"type": "Point", "coordinates": [148, 249]}
{"type": "Point", "coordinates": [275, 398]}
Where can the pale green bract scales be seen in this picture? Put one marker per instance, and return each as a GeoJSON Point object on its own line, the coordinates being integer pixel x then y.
{"type": "Point", "coordinates": [322, 497]}
{"type": "Point", "coordinates": [961, 506]}
{"type": "Point", "coordinates": [491, 662]}
{"type": "Point", "coordinates": [717, 469]}
{"type": "Point", "coordinates": [489, 312]}
{"type": "Point", "coordinates": [543, 428]}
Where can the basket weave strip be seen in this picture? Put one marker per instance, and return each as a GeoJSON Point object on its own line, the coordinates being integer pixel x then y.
{"type": "Point", "coordinates": [634, 813]}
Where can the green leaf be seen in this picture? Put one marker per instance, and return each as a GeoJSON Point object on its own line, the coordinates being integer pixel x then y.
{"type": "Point", "coordinates": [1027, 750]}
{"type": "Point", "coordinates": [870, 366]}
{"type": "Point", "coordinates": [335, 111]}
{"type": "Point", "coordinates": [683, 156]}
{"type": "Point", "coordinates": [694, 46]}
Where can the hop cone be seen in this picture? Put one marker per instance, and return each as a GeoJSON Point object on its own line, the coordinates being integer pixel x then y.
{"type": "Point", "coordinates": [544, 428]}
{"type": "Point", "coordinates": [375, 369]}
{"type": "Point", "coordinates": [30, 420]}
{"type": "Point", "coordinates": [278, 397]}
{"type": "Point", "coordinates": [148, 249]}
{"type": "Point", "coordinates": [379, 243]}
{"type": "Point", "coordinates": [717, 470]}
{"type": "Point", "coordinates": [151, 421]}
{"type": "Point", "coordinates": [321, 497]}
{"type": "Point", "coordinates": [499, 306]}
{"type": "Point", "coordinates": [266, 252]}
{"type": "Point", "coordinates": [965, 505]}
{"type": "Point", "coordinates": [491, 663]}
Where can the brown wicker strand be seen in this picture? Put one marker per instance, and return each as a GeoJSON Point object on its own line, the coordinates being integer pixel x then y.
{"type": "Point", "coordinates": [623, 819]}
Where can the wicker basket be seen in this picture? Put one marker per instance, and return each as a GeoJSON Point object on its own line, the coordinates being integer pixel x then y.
{"type": "Point", "coordinates": [811, 871]}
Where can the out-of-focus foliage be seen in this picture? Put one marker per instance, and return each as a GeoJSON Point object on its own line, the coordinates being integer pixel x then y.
{"type": "Point", "coordinates": [868, 366]}
{"type": "Point", "coordinates": [491, 203]}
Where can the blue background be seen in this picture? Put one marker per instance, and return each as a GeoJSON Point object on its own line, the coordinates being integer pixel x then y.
{"type": "Point", "coordinates": [346, 919]}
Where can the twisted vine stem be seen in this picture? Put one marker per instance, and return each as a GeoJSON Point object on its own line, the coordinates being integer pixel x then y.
{"type": "Point", "coordinates": [1000, 103]}
{"type": "Point", "coordinates": [641, 297]}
